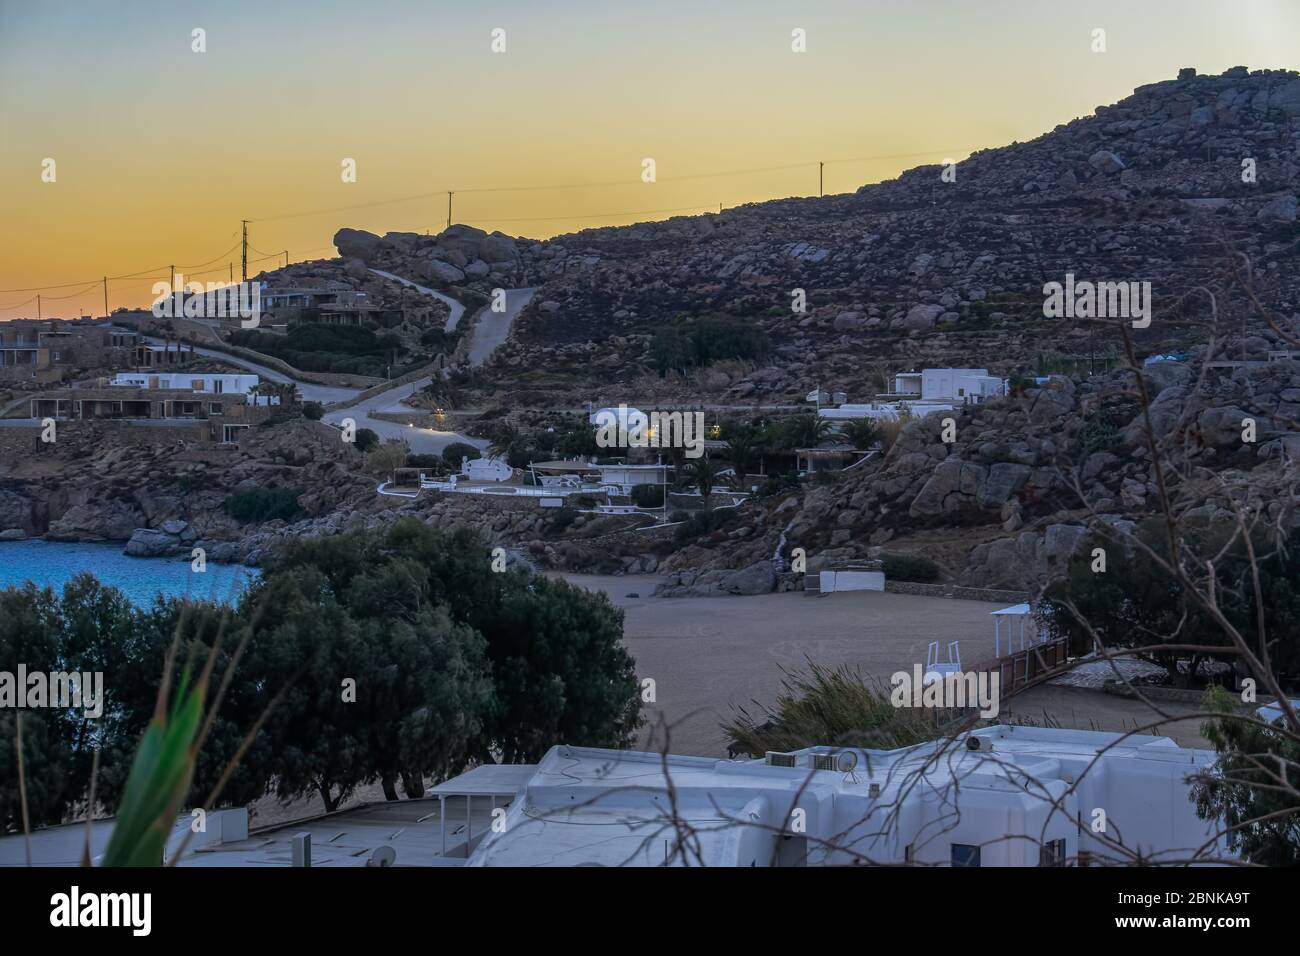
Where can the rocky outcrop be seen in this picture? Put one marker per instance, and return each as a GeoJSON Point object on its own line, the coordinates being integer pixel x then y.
{"type": "Point", "coordinates": [757, 578]}
{"type": "Point", "coordinates": [459, 255]}
{"type": "Point", "coordinates": [951, 269]}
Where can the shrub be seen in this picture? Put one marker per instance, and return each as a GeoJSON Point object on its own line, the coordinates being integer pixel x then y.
{"type": "Point", "coordinates": [828, 706]}
{"type": "Point", "coordinates": [366, 439]}
{"type": "Point", "coordinates": [264, 504]}
{"type": "Point", "coordinates": [648, 496]}
{"type": "Point", "coordinates": [313, 411]}
{"type": "Point", "coordinates": [910, 567]}
{"type": "Point", "coordinates": [775, 484]}
{"type": "Point", "coordinates": [699, 524]}
{"type": "Point", "coordinates": [453, 453]}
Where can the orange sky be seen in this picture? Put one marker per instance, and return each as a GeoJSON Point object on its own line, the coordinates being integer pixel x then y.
{"type": "Point", "coordinates": [161, 151]}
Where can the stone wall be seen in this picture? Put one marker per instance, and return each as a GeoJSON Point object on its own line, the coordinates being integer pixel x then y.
{"type": "Point", "coordinates": [24, 440]}
{"type": "Point", "coordinates": [958, 593]}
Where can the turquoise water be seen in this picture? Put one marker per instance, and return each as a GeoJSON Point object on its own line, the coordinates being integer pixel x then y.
{"type": "Point", "coordinates": [54, 563]}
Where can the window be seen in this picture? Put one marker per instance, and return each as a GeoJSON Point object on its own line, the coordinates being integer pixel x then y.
{"type": "Point", "coordinates": [965, 854]}
{"type": "Point", "coordinates": [1052, 853]}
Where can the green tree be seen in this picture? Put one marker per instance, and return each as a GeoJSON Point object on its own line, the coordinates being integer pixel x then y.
{"type": "Point", "coordinates": [744, 449]}
{"type": "Point", "coordinates": [1252, 788]}
{"type": "Point", "coordinates": [861, 433]}
{"type": "Point", "coordinates": [1135, 603]}
{"type": "Point", "coordinates": [704, 472]}
{"type": "Point", "coordinates": [365, 439]}
{"type": "Point", "coordinates": [385, 459]}
{"type": "Point", "coordinates": [648, 496]}
{"type": "Point", "coordinates": [802, 431]}
{"type": "Point", "coordinates": [453, 453]}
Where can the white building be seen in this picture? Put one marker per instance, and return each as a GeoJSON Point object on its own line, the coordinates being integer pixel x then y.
{"type": "Point", "coordinates": [930, 390]}
{"type": "Point", "coordinates": [627, 477]}
{"type": "Point", "coordinates": [486, 469]}
{"type": "Point", "coordinates": [1001, 796]}
{"type": "Point", "coordinates": [960, 385]}
{"type": "Point", "coordinates": [205, 382]}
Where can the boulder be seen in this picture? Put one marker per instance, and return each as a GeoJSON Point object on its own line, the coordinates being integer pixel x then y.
{"type": "Point", "coordinates": [922, 316]}
{"type": "Point", "coordinates": [151, 543]}
{"type": "Point", "coordinates": [357, 243]}
{"type": "Point", "coordinates": [954, 486]}
{"type": "Point", "coordinates": [758, 578]}
{"type": "Point", "coordinates": [1222, 426]}
{"type": "Point", "coordinates": [1106, 162]}
{"type": "Point", "coordinates": [1280, 210]}
{"type": "Point", "coordinates": [435, 270]}
{"type": "Point", "coordinates": [1004, 481]}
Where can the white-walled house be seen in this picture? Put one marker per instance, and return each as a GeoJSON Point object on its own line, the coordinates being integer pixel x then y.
{"type": "Point", "coordinates": [924, 392]}
{"type": "Point", "coordinates": [205, 382]}
{"type": "Point", "coordinates": [1000, 796]}
{"type": "Point", "coordinates": [486, 469]}
{"type": "Point", "coordinates": [959, 385]}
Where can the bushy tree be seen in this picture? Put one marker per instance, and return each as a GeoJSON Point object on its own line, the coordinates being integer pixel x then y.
{"type": "Point", "coordinates": [457, 450]}
{"type": "Point", "coordinates": [1253, 788]}
{"type": "Point", "coordinates": [1134, 602]}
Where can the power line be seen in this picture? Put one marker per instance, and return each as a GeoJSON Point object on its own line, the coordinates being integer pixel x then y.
{"type": "Point", "coordinates": [601, 215]}
{"type": "Point", "coordinates": [128, 275]}
{"type": "Point", "coordinates": [598, 184]}
{"type": "Point", "coordinates": [481, 190]}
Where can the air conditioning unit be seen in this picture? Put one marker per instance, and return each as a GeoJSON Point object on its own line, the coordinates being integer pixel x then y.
{"type": "Point", "coordinates": [825, 762]}
{"type": "Point", "coordinates": [980, 744]}
{"type": "Point", "coordinates": [778, 759]}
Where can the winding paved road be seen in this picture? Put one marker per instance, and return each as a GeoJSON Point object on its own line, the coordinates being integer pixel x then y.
{"type": "Point", "coordinates": [493, 327]}
{"type": "Point", "coordinates": [420, 440]}
{"type": "Point", "coordinates": [457, 310]}
{"type": "Point", "coordinates": [325, 394]}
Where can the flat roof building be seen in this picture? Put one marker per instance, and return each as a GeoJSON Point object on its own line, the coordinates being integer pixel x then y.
{"type": "Point", "coordinates": [1000, 796]}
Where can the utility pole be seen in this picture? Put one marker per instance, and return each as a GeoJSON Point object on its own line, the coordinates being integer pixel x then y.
{"type": "Point", "coordinates": [232, 273]}
{"type": "Point", "coordinates": [286, 258]}
{"type": "Point", "coordinates": [105, 296]}
{"type": "Point", "coordinates": [821, 168]}
{"type": "Point", "coordinates": [448, 208]}
{"type": "Point", "coordinates": [244, 267]}
{"type": "Point", "coordinates": [38, 305]}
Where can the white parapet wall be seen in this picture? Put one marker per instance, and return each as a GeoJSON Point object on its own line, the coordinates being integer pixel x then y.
{"type": "Point", "coordinates": [852, 581]}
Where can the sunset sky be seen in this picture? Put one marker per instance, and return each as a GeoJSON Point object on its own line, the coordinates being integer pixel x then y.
{"type": "Point", "coordinates": [161, 151]}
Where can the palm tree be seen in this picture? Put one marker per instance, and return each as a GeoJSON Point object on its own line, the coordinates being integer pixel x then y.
{"type": "Point", "coordinates": [804, 431]}
{"type": "Point", "coordinates": [743, 450]}
{"type": "Point", "coordinates": [861, 433]}
{"type": "Point", "coordinates": [503, 437]}
{"type": "Point", "coordinates": [704, 472]}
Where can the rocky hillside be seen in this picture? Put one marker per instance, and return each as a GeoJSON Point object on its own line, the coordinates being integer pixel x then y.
{"type": "Point", "coordinates": [920, 270]}
{"type": "Point", "coordinates": [1006, 502]}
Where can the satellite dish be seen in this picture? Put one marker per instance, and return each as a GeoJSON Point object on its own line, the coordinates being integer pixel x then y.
{"type": "Point", "coordinates": [383, 856]}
